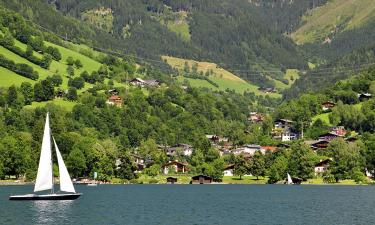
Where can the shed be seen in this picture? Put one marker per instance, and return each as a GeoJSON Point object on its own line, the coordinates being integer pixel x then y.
{"type": "Point", "coordinates": [201, 179]}
{"type": "Point", "coordinates": [171, 180]}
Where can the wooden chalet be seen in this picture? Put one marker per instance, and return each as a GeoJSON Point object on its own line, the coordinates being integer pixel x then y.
{"type": "Point", "coordinates": [328, 136]}
{"type": "Point", "coordinates": [283, 123]}
{"type": "Point", "coordinates": [114, 100]}
{"type": "Point", "coordinates": [322, 144]}
{"type": "Point", "coordinates": [176, 166]}
{"type": "Point", "coordinates": [201, 179]}
{"type": "Point", "coordinates": [322, 166]}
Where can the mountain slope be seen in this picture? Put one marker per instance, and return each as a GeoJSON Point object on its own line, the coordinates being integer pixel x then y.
{"type": "Point", "coordinates": [232, 34]}
{"type": "Point", "coordinates": [325, 22]}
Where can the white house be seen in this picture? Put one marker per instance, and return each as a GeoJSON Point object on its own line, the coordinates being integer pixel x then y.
{"type": "Point", "coordinates": [184, 149]}
{"type": "Point", "coordinates": [247, 149]}
{"type": "Point", "coordinates": [322, 166]}
{"type": "Point", "coordinates": [288, 136]}
{"type": "Point", "coordinates": [228, 171]}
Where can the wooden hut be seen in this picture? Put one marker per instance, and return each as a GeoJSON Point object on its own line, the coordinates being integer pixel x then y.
{"type": "Point", "coordinates": [171, 180]}
{"type": "Point", "coordinates": [201, 179]}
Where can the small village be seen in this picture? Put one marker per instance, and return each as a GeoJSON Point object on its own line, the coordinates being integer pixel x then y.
{"type": "Point", "coordinates": [179, 155]}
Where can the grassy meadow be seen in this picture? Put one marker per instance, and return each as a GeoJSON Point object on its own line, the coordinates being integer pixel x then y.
{"type": "Point", "coordinates": [222, 77]}
{"type": "Point", "coordinates": [336, 14]}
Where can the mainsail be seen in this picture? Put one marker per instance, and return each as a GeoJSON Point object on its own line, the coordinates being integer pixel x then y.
{"type": "Point", "coordinates": [44, 179]}
{"type": "Point", "coordinates": [65, 181]}
{"type": "Point", "coordinates": [290, 181]}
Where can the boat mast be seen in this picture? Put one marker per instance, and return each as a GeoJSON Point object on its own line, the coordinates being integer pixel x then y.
{"type": "Point", "coordinates": [52, 190]}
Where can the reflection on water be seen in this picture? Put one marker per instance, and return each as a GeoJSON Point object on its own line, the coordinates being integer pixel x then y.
{"type": "Point", "coordinates": [50, 212]}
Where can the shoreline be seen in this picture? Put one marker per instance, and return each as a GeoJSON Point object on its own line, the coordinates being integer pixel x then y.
{"type": "Point", "coordinates": [303, 184]}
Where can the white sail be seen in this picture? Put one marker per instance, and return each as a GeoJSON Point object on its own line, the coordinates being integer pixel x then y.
{"type": "Point", "coordinates": [65, 181]}
{"type": "Point", "coordinates": [44, 180]}
{"type": "Point", "coordinates": [289, 179]}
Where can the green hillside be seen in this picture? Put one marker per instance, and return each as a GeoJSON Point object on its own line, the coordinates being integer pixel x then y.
{"type": "Point", "coordinates": [325, 22]}
{"type": "Point", "coordinates": [183, 29]}
{"type": "Point", "coordinates": [223, 78]}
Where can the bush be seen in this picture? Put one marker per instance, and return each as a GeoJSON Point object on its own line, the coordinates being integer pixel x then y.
{"type": "Point", "coordinates": [135, 181]}
{"type": "Point", "coordinates": [21, 69]}
{"type": "Point", "coordinates": [359, 177]}
{"type": "Point", "coordinates": [153, 181]}
{"type": "Point", "coordinates": [328, 177]}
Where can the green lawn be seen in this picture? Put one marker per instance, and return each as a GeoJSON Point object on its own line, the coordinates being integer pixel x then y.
{"type": "Point", "coordinates": [323, 117]}
{"type": "Point", "coordinates": [89, 64]}
{"type": "Point", "coordinates": [244, 180]}
{"type": "Point", "coordinates": [43, 73]}
{"type": "Point", "coordinates": [9, 78]}
{"type": "Point", "coordinates": [319, 181]}
{"type": "Point", "coordinates": [68, 105]}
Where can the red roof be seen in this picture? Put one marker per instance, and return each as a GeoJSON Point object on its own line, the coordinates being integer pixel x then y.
{"type": "Point", "coordinates": [114, 97]}
{"type": "Point", "coordinates": [269, 148]}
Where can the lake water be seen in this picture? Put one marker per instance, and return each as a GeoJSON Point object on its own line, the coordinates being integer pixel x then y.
{"type": "Point", "coordinates": [196, 204]}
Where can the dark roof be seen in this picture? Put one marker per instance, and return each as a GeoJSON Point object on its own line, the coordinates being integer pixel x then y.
{"type": "Point", "coordinates": [201, 175]}
{"type": "Point", "coordinates": [323, 162]}
{"type": "Point", "coordinates": [230, 166]}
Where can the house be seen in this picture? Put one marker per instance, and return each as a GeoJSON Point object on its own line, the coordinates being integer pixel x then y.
{"type": "Point", "coordinates": [283, 124]}
{"type": "Point", "coordinates": [287, 135]}
{"type": "Point", "coordinates": [171, 180]}
{"type": "Point", "coordinates": [176, 166]}
{"type": "Point", "coordinates": [247, 149]}
{"type": "Point", "coordinates": [255, 117]}
{"type": "Point", "coordinates": [328, 105]}
{"type": "Point", "coordinates": [322, 166]}
{"type": "Point", "coordinates": [364, 96]}
{"type": "Point", "coordinates": [114, 100]}
{"type": "Point", "coordinates": [322, 144]}
{"type": "Point", "coordinates": [182, 149]}
{"type": "Point", "coordinates": [338, 130]}
{"type": "Point", "coordinates": [143, 83]}
{"type": "Point", "coordinates": [228, 170]}
{"type": "Point", "coordinates": [201, 179]}
{"type": "Point", "coordinates": [215, 139]}
{"type": "Point", "coordinates": [139, 161]}
{"type": "Point", "coordinates": [328, 136]}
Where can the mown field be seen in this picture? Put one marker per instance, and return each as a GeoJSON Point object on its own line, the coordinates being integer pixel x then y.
{"type": "Point", "coordinates": [335, 15]}
{"type": "Point", "coordinates": [222, 77]}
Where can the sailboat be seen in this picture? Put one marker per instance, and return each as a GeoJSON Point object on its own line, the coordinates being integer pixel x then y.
{"type": "Point", "coordinates": [290, 181]}
{"type": "Point", "coordinates": [44, 179]}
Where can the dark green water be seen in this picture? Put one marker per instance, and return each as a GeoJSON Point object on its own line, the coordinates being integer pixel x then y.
{"type": "Point", "coordinates": [196, 204]}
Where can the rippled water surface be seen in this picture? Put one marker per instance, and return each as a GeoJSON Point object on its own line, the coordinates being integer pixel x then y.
{"type": "Point", "coordinates": [196, 204]}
